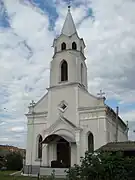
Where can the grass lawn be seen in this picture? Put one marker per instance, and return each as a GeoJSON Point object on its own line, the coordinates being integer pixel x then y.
{"type": "Point", "coordinates": [5, 175]}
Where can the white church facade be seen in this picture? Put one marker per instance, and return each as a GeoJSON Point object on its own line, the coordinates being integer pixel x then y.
{"type": "Point", "coordinates": [68, 120]}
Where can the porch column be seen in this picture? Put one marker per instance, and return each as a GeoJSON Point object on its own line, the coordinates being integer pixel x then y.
{"type": "Point", "coordinates": [45, 155]}
{"type": "Point", "coordinates": [78, 146]}
{"type": "Point", "coordinates": [78, 153]}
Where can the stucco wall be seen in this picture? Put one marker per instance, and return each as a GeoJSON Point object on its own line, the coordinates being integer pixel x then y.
{"type": "Point", "coordinates": [57, 95]}
{"type": "Point", "coordinates": [33, 132]}
{"type": "Point", "coordinates": [88, 100]}
{"type": "Point", "coordinates": [42, 104]}
{"type": "Point", "coordinates": [97, 128]}
{"type": "Point", "coordinates": [111, 131]}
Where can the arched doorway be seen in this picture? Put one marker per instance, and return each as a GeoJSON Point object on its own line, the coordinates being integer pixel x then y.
{"type": "Point", "coordinates": [62, 150]}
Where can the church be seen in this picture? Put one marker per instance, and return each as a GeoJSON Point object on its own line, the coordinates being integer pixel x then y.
{"type": "Point", "coordinates": [68, 121]}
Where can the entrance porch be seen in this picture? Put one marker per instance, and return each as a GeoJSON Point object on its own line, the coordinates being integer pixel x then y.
{"type": "Point", "coordinates": [58, 152]}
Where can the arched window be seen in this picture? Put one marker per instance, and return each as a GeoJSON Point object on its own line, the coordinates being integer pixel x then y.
{"type": "Point", "coordinates": [39, 147]}
{"type": "Point", "coordinates": [90, 143]}
{"type": "Point", "coordinates": [82, 73]}
{"type": "Point", "coordinates": [64, 71]}
{"type": "Point", "coordinates": [74, 46]}
{"type": "Point", "coordinates": [63, 46]}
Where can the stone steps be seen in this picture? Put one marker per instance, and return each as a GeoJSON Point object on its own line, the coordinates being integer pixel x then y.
{"type": "Point", "coordinates": [59, 172]}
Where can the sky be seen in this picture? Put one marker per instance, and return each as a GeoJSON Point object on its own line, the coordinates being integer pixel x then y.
{"type": "Point", "coordinates": [27, 30]}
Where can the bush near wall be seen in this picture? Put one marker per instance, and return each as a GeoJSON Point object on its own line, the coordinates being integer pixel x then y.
{"type": "Point", "coordinates": [104, 166]}
{"type": "Point", "coordinates": [14, 161]}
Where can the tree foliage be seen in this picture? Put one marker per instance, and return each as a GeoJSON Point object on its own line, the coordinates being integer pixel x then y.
{"type": "Point", "coordinates": [14, 161]}
{"type": "Point", "coordinates": [103, 166]}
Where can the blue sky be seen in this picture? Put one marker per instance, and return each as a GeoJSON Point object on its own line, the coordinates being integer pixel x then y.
{"type": "Point", "coordinates": [108, 29]}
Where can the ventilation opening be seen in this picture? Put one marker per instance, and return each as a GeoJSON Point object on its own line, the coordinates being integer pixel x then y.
{"type": "Point", "coordinates": [74, 46]}
{"type": "Point", "coordinates": [63, 106]}
{"type": "Point", "coordinates": [63, 46]}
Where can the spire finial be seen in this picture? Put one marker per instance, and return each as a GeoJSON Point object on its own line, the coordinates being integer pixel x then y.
{"type": "Point", "coordinates": [69, 5]}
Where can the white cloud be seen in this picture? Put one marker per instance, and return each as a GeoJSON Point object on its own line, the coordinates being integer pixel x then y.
{"type": "Point", "coordinates": [110, 43]}
{"type": "Point", "coordinates": [25, 55]}
{"type": "Point", "coordinates": [129, 115]}
{"type": "Point", "coordinates": [17, 129]}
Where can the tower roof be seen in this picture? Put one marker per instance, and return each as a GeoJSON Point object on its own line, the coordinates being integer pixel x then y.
{"type": "Point", "coordinates": [69, 26]}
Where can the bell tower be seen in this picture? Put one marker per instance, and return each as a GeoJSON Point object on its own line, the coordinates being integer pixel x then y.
{"type": "Point", "coordinates": [68, 64]}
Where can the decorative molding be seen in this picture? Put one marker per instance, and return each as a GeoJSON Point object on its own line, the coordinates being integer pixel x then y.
{"type": "Point", "coordinates": [92, 109]}
{"type": "Point", "coordinates": [37, 114]}
{"type": "Point", "coordinates": [30, 122]}
{"type": "Point", "coordinates": [61, 86]}
{"type": "Point", "coordinates": [70, 50]}
{"type": "Point", "coordinates": [89, 115]}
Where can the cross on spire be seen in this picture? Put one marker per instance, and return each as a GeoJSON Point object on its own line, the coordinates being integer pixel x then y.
{"type": "Point", "coordinates": [32, 103]}
{"type": "Point", "coordinates": [100, 94]}
{"type": "Point", "coordinates": [69, 4]}
{"type": "Point", "coordinates": [69, 25]}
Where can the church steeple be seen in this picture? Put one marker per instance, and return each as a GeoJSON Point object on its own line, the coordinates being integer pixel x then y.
{"type": "Point", "coordinates": [69, 25]}
{"type": "Point", "coordinates": [68, 65]}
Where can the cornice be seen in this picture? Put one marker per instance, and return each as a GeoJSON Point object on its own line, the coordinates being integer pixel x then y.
{"type": "Point", "coordinates": [68, 50]}
{"type": "Point", "coordinates": [37, 114]}
{"type": "Point", "coordinates": [91, 109]}
{"type": "Point", "coordinates": [61, 86]}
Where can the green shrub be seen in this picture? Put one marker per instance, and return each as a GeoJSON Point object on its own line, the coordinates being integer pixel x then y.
{"type": "Point", "coordinates": [103, 166]}
{"type": "Point", "coordinates": [14, 161]}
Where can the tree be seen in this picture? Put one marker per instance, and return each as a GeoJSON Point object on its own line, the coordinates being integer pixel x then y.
{"type": "Point", "coordinates": [103, 166]}
{"type": "Point", "coordinates": [14, 161]}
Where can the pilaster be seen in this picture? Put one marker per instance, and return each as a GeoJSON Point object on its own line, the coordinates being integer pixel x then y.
{"type": "Point", "coordinates": [77, 137]}
{"type": "Point", "coordinates": [45, 155]}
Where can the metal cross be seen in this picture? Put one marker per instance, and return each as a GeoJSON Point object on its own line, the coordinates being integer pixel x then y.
{"type": "Point", "coordinates": [69, 4]}
{"type": "Point", "coordinates": [32, 103]}
{"type": "Point", "coordinates": [101, 94]}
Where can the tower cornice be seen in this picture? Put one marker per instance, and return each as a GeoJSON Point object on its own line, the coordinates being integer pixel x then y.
{"type": "Point", "coordinates": [69, 50]}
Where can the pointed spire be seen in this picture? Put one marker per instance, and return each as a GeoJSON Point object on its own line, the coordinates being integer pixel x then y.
{"type": "Point", "coordinates": [69, 26]}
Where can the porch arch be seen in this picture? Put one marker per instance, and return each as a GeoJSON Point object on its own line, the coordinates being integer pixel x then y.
{"type": "Point", "coordinates": [63, 147]}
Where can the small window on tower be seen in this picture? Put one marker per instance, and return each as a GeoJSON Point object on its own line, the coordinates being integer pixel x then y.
{"type": "Point", "coordinates": [63, 46]}
{"type": "Point", "coordinates": [74, 46]}
{"type": "Point", "coordinates": [64, 71]}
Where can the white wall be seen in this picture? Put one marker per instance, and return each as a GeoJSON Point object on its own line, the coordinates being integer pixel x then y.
{"type": "Point", "coordinates": [73, 154]}
{"type": "Point", "coordinates": [111, 131]}
{"type": "Point", "coordinates": [97, 128]}
{"type": "Point", "coordinates": [42, 104]}
{"type": "Point", "coordinates": [33, 131]}
{"type": "Point", "coordinates": [88, 100]}
{"type": "Point", "coordinates": [57, 95]}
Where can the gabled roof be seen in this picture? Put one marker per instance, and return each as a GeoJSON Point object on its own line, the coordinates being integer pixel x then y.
{"type": "Point", "coordinates": [69, 26]}
{"type": "Point", "coordinates": [114, 114]}
{"type": "Point", "coordinates": [118, 146]}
